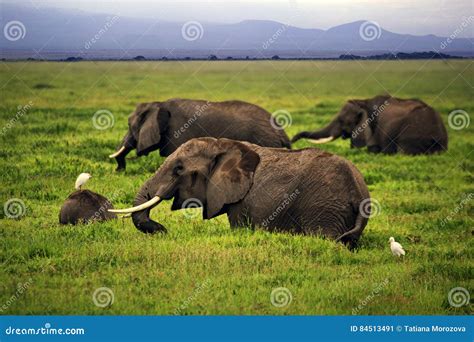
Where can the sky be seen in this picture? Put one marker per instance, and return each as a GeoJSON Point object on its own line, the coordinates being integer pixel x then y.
{"type": "Point", "coordinates": [439, 17]}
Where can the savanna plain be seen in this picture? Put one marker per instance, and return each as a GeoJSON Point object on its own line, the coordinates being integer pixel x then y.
{"type": "Point", "coordinates": [205, 267]}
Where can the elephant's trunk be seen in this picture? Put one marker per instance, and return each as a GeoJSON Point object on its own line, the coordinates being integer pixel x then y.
{"type": "Point", "coordinates": [155, 189]}
{"type": "Point", "coordinates": [328, 133]}
{"type": "Point", "coordinates": [128, 143]}
{"type": "Point", "coordinates": [142, 220]}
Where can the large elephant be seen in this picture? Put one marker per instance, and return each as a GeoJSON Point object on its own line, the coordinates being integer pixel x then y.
{"type": "Point", "coordinates": [166, 125]}
{"type": "Point", "coordinates": [83, 206]}
{"type": "Point", "coordinates": [386, 124]}
{"type": "Point", "coordinates": [305, 191]}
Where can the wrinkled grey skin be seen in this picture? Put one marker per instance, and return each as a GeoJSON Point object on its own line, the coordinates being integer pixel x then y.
{"type": "Point", "coordinates": [167, 125]}
{"type": "Point", "coordinates": [302, 191]}
{"type": "Point", "coordinates": [84, 206]}
{"type": "Point", "coordinates": [388, 125]}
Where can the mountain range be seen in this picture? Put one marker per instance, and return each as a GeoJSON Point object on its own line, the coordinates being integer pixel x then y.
{"type": "Point", "coordinates": [55, 33]}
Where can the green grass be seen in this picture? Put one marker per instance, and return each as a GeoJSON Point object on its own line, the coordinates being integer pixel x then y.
{"type": "Point", "coordinates": [44, 151]}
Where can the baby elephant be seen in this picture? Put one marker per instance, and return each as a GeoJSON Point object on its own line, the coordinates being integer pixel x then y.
{"type": "Point", "coordinates": [83, 206]}
{"type": "Point", "coordinates": [302, 191]}
{"type": "Point", "coordinates": [386, 124]}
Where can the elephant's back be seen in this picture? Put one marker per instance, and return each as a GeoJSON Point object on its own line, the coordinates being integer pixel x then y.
{"type": "Point", "coordinates": [236, 120]}
{"type": "Point", "coordinates": [84, 206]}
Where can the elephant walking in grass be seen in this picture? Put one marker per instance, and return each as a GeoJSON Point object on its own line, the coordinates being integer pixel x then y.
{"type": "Point", "coordinates": [166, 125]}
{"type": "Point", "coordinates": [306, 191]}
{"type": "Point", "coordinates": [386, 124]}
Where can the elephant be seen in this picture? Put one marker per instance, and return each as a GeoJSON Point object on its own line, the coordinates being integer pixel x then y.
{"type": "Point", "coordinates": [386, 125]}
{"type": "Point", "coordinates": [166, 125]}
{"type": "Point", "coordinates": [83, 206]}
{"type": "Point", "coordinates": [305, 191]}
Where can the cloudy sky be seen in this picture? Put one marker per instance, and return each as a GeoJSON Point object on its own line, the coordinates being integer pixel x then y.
{"type": "Point", "coordinates": [440, 17]}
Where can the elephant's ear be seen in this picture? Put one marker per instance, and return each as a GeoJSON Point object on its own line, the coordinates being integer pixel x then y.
{"type": "Point", "coordinates": [363, 134]}
{"type": "Point", "coordinates": [153, 122]}
{"type": "Point", "coordinates": [231, 176]}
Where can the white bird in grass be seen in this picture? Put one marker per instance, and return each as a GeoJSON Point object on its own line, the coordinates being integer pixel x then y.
{"type": "Point", "coordinates": [396, 248]}
{"type": "Point", "coordinates": [81, 180]}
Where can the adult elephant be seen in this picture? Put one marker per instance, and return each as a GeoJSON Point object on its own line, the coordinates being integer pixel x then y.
{"type": "Point", "coordinates": [305, 191]}
{"type": "Point", "coordinates": [166, 125]}
{"type": "Point", "coordinates": [386, 124]}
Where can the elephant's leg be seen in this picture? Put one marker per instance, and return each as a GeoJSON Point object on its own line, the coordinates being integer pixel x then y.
{"type": "Point", "coordinates": [239, 218]}
{"type": "Point", "coordinates": [374, 149]}
{"type": "Point", "coordinates": [388, 145]}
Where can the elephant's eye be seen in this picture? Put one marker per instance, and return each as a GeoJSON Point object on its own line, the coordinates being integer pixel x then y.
{"type": "Point", "coordinates": [178, 169]}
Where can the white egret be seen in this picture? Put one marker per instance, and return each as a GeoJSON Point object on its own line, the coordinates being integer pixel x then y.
{"type": "Point", "coordinates": [396, 248]}
{"type": "Point", "coordinates": [81, 180]}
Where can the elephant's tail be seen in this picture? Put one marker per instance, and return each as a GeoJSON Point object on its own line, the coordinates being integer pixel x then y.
{"type": "Point", "coordinates": [352, 235]}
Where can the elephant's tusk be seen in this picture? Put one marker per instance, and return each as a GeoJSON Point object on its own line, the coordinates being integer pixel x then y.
{"type": "Point", "coordinates": [116, 154]}
{"type": "Point", "coordinates": [140, 207]}
{"type": "Point", "coordinates": [322, 140]}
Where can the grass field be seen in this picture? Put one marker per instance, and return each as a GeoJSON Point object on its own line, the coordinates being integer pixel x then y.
{"type": "Point", "coordinates": [204, 267]}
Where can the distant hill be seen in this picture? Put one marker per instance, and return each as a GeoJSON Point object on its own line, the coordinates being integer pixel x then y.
{"type": "Point", "coordinates": [61, 33]}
